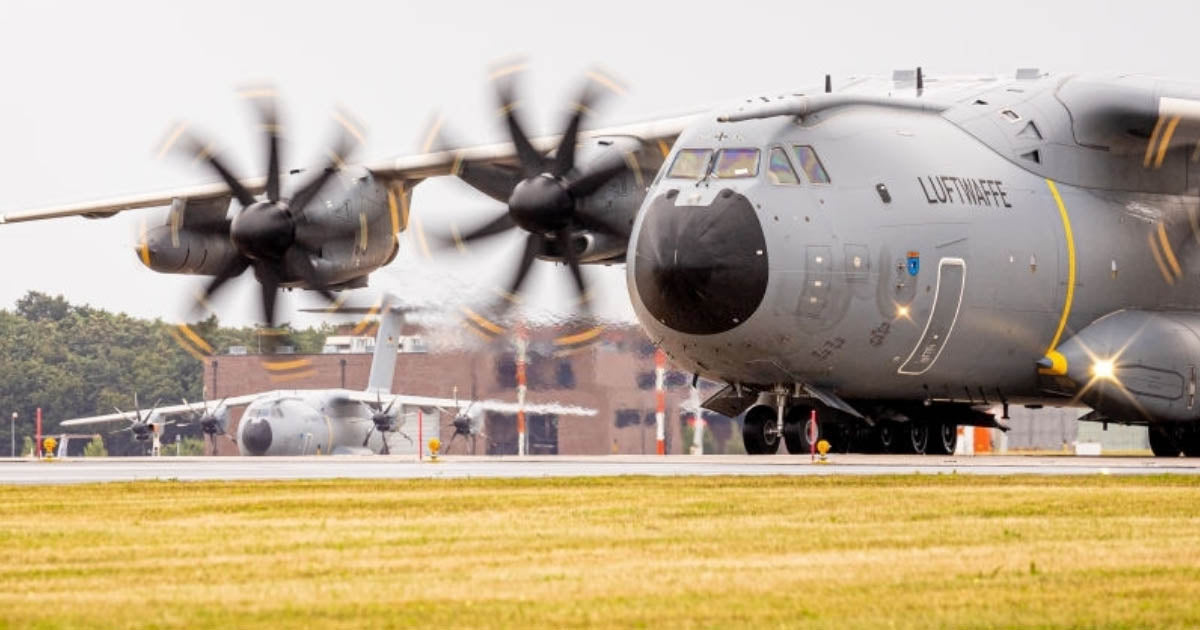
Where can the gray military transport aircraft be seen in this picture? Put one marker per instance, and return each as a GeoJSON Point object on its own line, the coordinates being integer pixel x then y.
{"type": "Point", "coordinates": [899, 255]}
{"type": "Point", "coordinates": [327, 421]}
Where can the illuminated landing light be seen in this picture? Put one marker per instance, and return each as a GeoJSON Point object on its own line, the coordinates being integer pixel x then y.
{"type": "Point", "coordinates": [902, 311]}
{"type": "Point", "coordinates": [1103, 369]}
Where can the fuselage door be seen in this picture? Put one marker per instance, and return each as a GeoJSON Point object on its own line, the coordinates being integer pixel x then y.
{"type": "Point", "coordinates": [951, 280]}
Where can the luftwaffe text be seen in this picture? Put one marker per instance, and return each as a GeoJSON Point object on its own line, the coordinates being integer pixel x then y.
{"type": "Point", "coordinates": [964, 191]}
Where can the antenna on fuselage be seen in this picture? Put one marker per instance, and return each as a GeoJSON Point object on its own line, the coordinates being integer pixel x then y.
{"type": "Point", "coordinates": [920, 81]}
{"type": "Point", "coordinates": [828, 84]}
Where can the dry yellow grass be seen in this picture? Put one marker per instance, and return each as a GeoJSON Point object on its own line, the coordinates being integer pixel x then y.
{"type": "Point", "coordinates": [901, 552]}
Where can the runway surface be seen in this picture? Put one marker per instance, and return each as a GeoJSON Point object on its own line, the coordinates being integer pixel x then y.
{"type": "Point", "coordinates": [23, 471]}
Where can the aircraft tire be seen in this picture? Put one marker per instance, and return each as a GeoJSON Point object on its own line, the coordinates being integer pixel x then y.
{"type": "Point", "coordinates": [795, 431]}
{"type": "Point", "coordinates": [915, 438]}
{"type": "Point", "coordinates": [758, 431]}
{"type": "Point", "coordinates": [1164, 442]}
{"type": "Point", "coordinates": [1190, 442]}
{"type": "Point", "coordinates": [943, 439]}
{"type": "Point", "coordinates": [887, 436]}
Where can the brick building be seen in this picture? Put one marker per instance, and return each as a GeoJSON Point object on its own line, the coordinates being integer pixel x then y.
{"type": "Point", "coordinates": [614, 375]}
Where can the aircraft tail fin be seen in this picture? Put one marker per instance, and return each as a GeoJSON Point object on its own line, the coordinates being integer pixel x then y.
{"type": "Point", "coordinates": [387, 344]}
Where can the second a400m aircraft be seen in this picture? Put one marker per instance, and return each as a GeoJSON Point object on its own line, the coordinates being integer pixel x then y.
{"type": "Point", "coordinates": [899, 255]}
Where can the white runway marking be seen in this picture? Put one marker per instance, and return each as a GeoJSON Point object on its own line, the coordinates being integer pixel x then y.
{"type": "Point", "coordinates": [20, 471]}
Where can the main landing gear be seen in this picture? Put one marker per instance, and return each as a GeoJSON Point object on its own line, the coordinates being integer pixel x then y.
{"type": "Point", "coordinates": [766, 426]}
{"type": "Point", "coordinates": [1174, 439]}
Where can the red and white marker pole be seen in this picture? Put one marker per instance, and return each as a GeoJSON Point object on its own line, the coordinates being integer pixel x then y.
{"type": "Point", "coordinates": [522, 347]}
{"type": "Point", "coordinates": [660, 402]}
{"type": "Point", "coordinates": [420, 435]}
{"type": "Point", "coordinates": [37, 444]}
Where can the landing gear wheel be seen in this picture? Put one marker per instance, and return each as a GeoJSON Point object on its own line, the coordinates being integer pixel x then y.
{"type": "Point", "coordinates": [888, 436]}
{"type": "Point", "coordinates": [1189, 442]}
{"type": "Point", "coordinates": [760, 433]}
{"type": "Point", "coordinates": [797, 430]}
{"type": "Point", "coordinates": [1164, 441]}
{"type": "Point", "coordinates": [916, 436]}
{"type": "Point", "coordinates": [943, 439]}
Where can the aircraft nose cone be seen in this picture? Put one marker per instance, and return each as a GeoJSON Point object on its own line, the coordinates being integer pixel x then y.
{"type": "Point", "coordinates": [701, 270]}
{"type": "Point", "coordinates": [256, 437]}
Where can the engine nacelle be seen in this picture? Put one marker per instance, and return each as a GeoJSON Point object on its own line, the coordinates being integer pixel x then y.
{"type": "Point", "coordinates": [184, 252]}
{"type": "Point", "coordinates": [1135, 366]}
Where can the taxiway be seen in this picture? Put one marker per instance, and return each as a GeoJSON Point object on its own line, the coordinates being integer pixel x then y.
{"type": "Point", "coordinates": [66, 471]}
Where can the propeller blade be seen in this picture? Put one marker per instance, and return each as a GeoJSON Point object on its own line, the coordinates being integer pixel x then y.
{"type": "Point", "coordinates": [264, 102]}
{"type": "Point", "coordinates": [533, 247]}
{"type": "Point", "coordinates": [270, 288]}
{"type": "Point", "coordinates": [599, 173]}
{"type": "Point", "coordinates": [231, 270]}
{"type": "Point", "coordinates": [564, 155]}
{"type": "Point", "coordinates": [368, 438]}
{"type": "Point", "coordinates": [348, 138]}
{"type": "Point", "coordinates": [493, 181]}
{"type": "Point", "coordinates": [203, 151]}
{"type": "Point", "coordinates": [531, 160]}
{"type": "Point", "coordinates": [389, 406]}
{"type": "Point", "coordinates": [495, 226]}
{"type": "Point", "coordinates": [385, 450]}
{"type": "Point", "coordinates": [572, 258]}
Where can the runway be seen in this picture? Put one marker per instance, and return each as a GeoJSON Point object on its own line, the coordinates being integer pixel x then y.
{"type": "Point", "coordinates": [73, 471]}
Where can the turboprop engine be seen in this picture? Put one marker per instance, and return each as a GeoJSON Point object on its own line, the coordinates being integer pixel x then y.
{"type": "Point", "coordinates": [1131, 366]}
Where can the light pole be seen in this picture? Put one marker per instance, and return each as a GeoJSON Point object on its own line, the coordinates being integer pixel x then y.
{"type": "Point", "coordinates": [12, 435]}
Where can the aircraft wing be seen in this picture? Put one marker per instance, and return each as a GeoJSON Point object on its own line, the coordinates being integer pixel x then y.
{"type": "Point", "coordinates": [172, 410]}
{"type": "Point", "coordinates": [502, 406]}
{"type": "Point", "coordinates": [407, 170]}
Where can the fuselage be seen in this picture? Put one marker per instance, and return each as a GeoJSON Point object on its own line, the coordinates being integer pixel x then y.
{"type": "Point", "coordinates": [887, 253]}
{"type": "Point", "coordinates": [307, 422]}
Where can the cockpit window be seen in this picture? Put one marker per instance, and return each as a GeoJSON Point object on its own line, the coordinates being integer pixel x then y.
{"type": "Point", "coordinates": [733, 163]}
{"type": "Point", "coordinates": [779, 170]}
{"type": "Point", "coordinates": [811, 164]}
{"type": "Point", "coordinates": [690, 164]}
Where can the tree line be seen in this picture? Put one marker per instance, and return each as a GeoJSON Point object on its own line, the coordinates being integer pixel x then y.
{"type": "Point", "coordinates": [74, 360]}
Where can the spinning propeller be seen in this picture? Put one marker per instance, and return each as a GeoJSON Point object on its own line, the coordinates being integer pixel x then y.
{"type": "Point", "coordinates": [464, 424]}
{"type": "Point", "coordinates": [212, 423]}
{"type": "Point", "coordinates": [546, 194]}
{"type": "Point", "coordinates": [269, 233]}
{"type": "Point", "coordinates": [384, 422]}
{"type": "Point", "coordinates": [141, 427]}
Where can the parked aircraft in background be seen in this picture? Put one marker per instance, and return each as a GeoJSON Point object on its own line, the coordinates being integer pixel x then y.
{"type": "Point", "coordinates": [331, 421]}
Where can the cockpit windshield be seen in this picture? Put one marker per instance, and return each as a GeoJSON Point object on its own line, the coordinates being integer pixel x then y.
{"type": "Point", "coordinates": [734, 163]}
{"type": "Point", "coordinates": [690, 164]}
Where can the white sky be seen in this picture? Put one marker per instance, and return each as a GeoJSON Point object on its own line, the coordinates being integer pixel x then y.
{"type": "Point", "coordinates": [87, 89]}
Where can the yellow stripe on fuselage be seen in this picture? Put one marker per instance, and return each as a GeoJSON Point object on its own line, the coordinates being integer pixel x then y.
{"type": "Point", "coordinates": [1070, 297]}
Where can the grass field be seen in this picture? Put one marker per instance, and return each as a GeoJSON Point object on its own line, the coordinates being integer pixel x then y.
{"type": "Point", "coordinates": [914, 551]}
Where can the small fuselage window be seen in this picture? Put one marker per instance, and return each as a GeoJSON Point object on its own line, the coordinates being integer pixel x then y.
{"type": "Point", "coordinates": [811, 164]}
{"type": "Point", "coordinates": [735, 163]}
{"type": "Point", "coordinates": [690, 164]}
{"type": "Point", "coordinates": [779, 170]}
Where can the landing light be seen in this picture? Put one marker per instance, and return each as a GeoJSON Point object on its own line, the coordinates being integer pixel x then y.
{"type": "Point", "coordinates": [1103, 369]}
{"type": "Point", "coordinates": [902, 311]}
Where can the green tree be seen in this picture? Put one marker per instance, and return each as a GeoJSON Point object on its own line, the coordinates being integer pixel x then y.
{"type": "Point", "coordinates": [95, 448]}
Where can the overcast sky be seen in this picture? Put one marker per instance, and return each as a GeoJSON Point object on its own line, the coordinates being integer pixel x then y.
{"type": "Point", "coordinates": [87, 90]}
